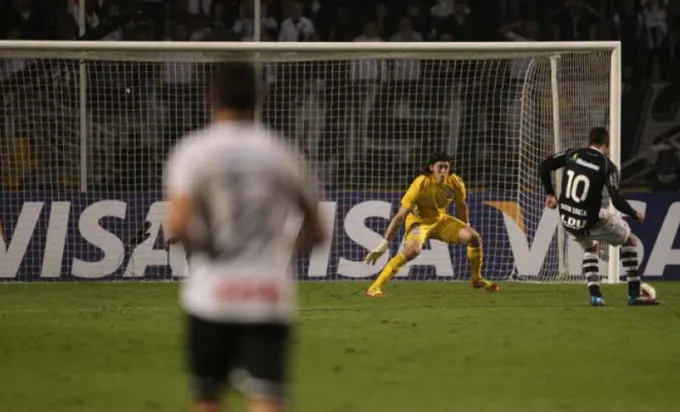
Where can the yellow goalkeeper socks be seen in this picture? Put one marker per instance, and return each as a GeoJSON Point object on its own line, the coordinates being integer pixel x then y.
{"type": "Point", "coordinates": [390, 270]}
{"type": "Point", "coordinates": [475, 256]}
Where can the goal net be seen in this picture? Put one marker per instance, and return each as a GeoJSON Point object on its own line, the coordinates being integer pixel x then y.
{"type": "Point", "coordinates": [86, 127]}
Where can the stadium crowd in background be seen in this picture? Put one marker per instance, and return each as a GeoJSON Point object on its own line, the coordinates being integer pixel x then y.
{"type": "Point", "coordinates": [649, 31]}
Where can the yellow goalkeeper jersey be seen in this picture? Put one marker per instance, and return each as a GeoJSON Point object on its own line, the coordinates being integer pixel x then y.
{"type": "Point", "coordinates": [429, 199]}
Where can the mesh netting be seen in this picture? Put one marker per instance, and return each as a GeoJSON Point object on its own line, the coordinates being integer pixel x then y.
{"type": "Point", "coordinates": [81, 180]}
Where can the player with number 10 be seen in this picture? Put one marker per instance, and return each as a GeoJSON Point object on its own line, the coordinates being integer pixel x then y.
{"type": "Point", "coordinates": [587, 172]}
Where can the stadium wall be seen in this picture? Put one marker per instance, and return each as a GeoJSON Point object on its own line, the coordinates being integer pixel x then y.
{"type": "Point", "coordinates": [90, 237]}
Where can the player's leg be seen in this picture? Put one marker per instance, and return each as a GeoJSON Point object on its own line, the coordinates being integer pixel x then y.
{"type": "Point", "coordinates": [210, 354]}
{"type": "Point", "coordinates": [416, 235]}
{"type": "Point", "coordinates": [630, 262]}
{"type": "Point", "coordinates": [452, 231]}
{"type": "Point", "coordinates": [265, 360]}
{"type": "Point", "coordinates": [614, 230]}
{"type": "Point", "coordinates": [590, 266]}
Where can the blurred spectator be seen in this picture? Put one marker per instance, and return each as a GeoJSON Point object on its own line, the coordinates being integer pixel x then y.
{"type": "Point", "coordinates": [422, 23]}
{"type": "Point", "coordinates": [200, 7]}
{"type": "Point", "coordinates": [344, 26]}
{"type": "Point", "coordinates": [243, 27]}
{"type": "Point", "coordinates": [334, 91]}
{"type": "Point", "coordinates": [8, 67]}
{"type": "Point", "coordinates": [296, 27]}
{"type": "Point", "coordinates": [628, 27]}
{"type": "Point", "coordinates": [156, 11]}
{"type": "Point", "coordinates": [179, 83]}
{"type": "Point", "coordinates": [666, 171]}
{"type": "Point", "coordinates": [31, 21]}
{"type": "Point", "coordinates": [176, 11]}
{"type": "Point", "coordinates": [370, 33]}
{"type": "Point", "coordinates": [655, 20]}
{"type": "Point", "coordinates": [368, 69]}
{"type": "Point", "coordinates": [521, 31]}
{"type": "Point", "coordinates": [117, 24]}
{"type": "Point", "coordinates": [442, 9]}
{"type": "Point", "coordinates": [445, 37]}
{"type": "Point", "coordinates": [219, 24]}
{"type": "Point", "coordinates": [459, 24]}
{"type": "Point", "coordinates": [406, 32]}
{"type": "Point", "coordinates": [406, 71]}
{"type": "Point", "coordinates": [324, 15]}
{"type": "Point", "coordinates": [381, 21]}
{"type": "Point", "coordinates": [575, 22]}
{"type": "Point", "coordinates": [509, 10]}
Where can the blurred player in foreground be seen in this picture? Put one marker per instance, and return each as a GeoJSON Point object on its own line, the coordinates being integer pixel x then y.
{"type": "Point", "coordinates": [232, 191]}
{"type": "Point", "coordinates": [424, 209]}
{"type": "Point", "coordinates": [587, 171]}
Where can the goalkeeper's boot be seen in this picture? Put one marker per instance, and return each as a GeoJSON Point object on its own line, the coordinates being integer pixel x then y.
{"type": "Point", "coordinates": [596, 301]}
{"type": "Point", "coordinates": [374, 292]}
{"type": "Point", "coordinates": [642, 301]}
{"type": "Point", "coordinates": [483, 283]}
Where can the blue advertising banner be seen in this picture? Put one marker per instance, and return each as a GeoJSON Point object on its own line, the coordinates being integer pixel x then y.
{"type": "Point", "coordinates": [92, 237]}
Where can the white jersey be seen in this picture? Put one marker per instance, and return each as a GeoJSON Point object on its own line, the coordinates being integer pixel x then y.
{"type": "Point", "coordinates": [246, 188]}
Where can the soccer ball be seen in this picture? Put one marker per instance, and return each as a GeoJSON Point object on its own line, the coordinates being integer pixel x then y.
{"type": "Point", "coordinates": [647, 291]}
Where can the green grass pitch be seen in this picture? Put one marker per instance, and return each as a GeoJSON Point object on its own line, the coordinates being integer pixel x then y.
{"type": "Point", "coordinates": [427, 347]}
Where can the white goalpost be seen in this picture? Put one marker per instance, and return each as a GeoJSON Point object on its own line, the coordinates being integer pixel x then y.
{"type": "Point", "coordinates": [86, 126]}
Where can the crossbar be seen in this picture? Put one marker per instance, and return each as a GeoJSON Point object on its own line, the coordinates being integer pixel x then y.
{"type": "Point", "coordinates": [313, 47]}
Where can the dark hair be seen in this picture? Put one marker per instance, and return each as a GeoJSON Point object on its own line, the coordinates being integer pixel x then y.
{"type": "Point", "coordinates": [235, 87]}
{"type": "Point", "coordinates": [436, 157]}
{"type": "Point", "coordinates": [599, 136]}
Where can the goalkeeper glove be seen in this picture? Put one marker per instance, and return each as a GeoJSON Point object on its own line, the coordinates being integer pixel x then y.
{"type": "Point", "coordinates": [373, 256]}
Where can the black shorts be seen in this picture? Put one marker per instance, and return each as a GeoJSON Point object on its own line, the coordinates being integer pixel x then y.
{"type": "Point", "coordinates": [251, 358]}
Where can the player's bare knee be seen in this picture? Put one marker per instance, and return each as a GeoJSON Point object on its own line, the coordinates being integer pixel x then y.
{"type": "Point", "coordinates": [412, 250]}
{"type": "Point", "coordinates": [632, 241]}
{"type": "Point", "coordinates": [263, 405]}
{"type": "Point", "coordinates": [470, 236]}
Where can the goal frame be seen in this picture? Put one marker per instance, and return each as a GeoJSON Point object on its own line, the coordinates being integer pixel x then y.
{"type": "Point", "coordinates": [87, 50]}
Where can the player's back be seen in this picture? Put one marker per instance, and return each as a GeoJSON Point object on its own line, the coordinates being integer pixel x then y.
{"type": "Point", "coordinates": [583, 182]}
{"type": "Point", "coordinates": [247, 186]}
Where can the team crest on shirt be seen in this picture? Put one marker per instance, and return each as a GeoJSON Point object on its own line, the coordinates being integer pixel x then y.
{"type": "Point", "coordinates": [448, 193]}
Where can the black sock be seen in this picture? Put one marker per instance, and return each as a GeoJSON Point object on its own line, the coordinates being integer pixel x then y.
{"type": "Point", "coordinates": [629, 259]}
{"type": "Point", "coordinates": [591, 266]}
{"type": "Point", "coordinates": [595, 290]}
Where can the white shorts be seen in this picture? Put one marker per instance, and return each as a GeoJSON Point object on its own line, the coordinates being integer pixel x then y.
{"type": "Point", "coordinates": [611, 228]}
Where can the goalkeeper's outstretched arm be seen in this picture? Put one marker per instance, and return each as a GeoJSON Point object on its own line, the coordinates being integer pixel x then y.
{"type": "Point", "coordinates": [392, 228]}
{"type": "Point", "coordinates": [408, 203]}
{"type": "Point", "coordinates": [396, 222]}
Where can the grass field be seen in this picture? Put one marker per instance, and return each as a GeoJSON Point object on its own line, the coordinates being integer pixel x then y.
{"type": "Point", "coordinates": [427, 347]}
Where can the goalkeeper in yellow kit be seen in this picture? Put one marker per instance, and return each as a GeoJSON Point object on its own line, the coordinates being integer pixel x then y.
{"type": "Point", "coordinates": [423, 207]}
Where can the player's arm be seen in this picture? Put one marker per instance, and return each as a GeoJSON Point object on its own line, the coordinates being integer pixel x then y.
{"type": "Point", "coordinates": [180, 181]}
{"type": "Point", "coordinates": [312, 232]}
{"type": "Point", "coordinates": [619, 202]}
{"type": "Point", "coordinates": [303, 189]}
{"type": "Point", "coordinates": [550, 164]}
{"type": "Point", "coordinates": [396, 222]}
{"type": "Point", "coordinates": [408, 203]}
{"type": "Point", "coordinates": [460, 201]}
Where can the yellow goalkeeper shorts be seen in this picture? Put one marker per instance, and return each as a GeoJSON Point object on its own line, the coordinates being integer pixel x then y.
{"type": "Point", "coordinates": [444, 229]}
